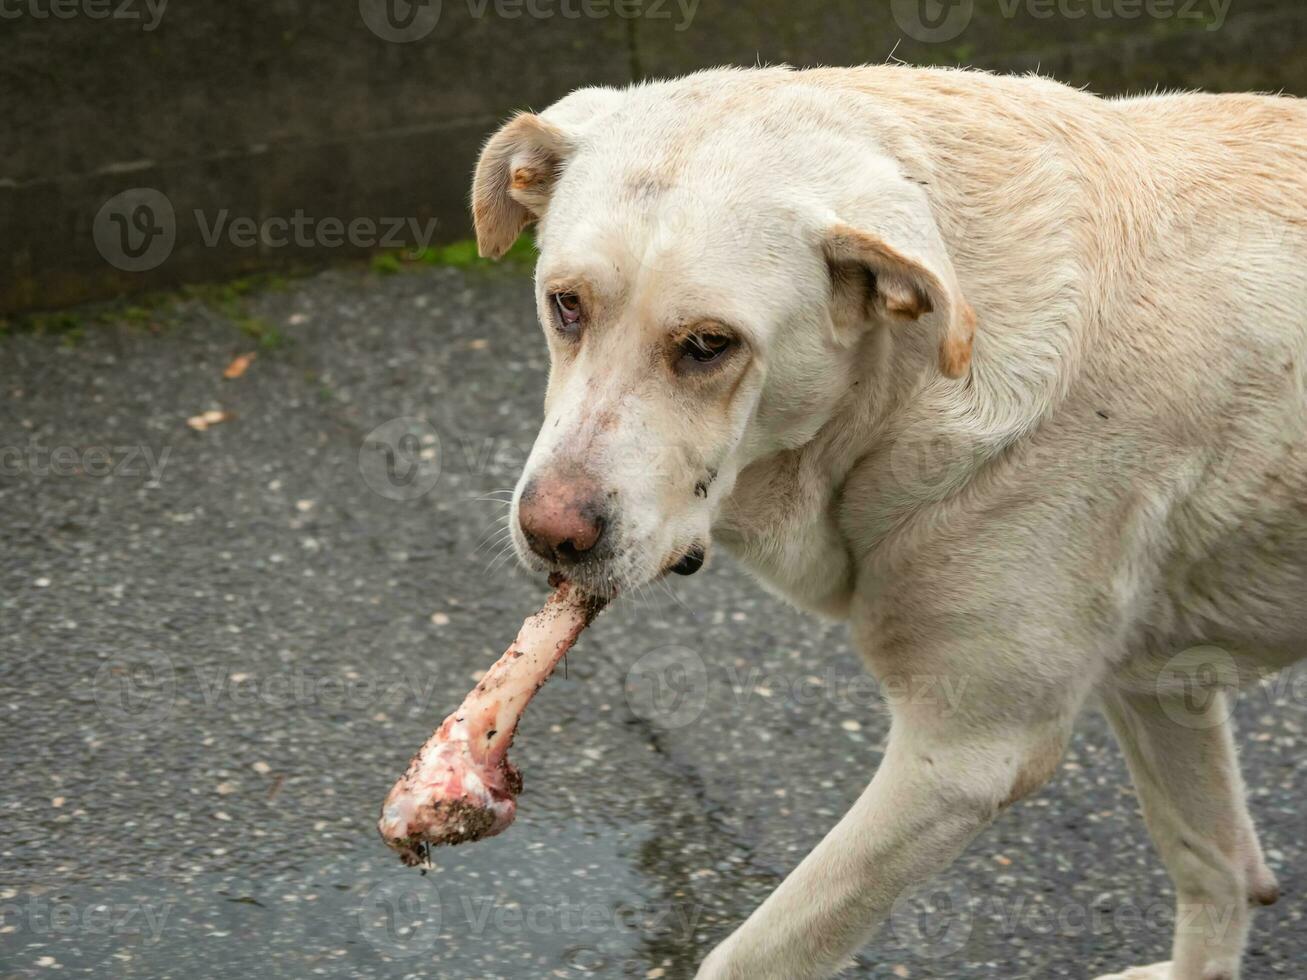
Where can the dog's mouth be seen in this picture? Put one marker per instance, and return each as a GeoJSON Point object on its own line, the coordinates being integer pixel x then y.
{"type": "Point", "coordinates": [689, 563]}
{"type": "Point", "coordinates": [615, 572]}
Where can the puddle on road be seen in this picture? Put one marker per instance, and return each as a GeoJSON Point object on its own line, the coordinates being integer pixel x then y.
{"type": "Point", "coordinates": [495, 910]}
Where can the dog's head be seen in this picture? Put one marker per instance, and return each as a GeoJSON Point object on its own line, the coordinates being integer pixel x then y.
{"type": "Point", "coordinates": [706, 276]}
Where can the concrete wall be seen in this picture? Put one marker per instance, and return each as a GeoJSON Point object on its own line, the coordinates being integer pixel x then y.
{"type": "Point", "coordinates": [123, 118]}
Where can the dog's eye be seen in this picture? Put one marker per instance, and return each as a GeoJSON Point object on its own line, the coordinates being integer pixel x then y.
{"type": "Point", "coordinates": [568, 308]}
{"type": "Point", "coordinates": [701, 350]}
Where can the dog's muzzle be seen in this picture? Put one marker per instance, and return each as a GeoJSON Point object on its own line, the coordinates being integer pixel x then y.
{"type": "Point", "coordinates": [690, 563]}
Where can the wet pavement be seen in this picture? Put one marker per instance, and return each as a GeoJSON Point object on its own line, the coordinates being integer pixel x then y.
{"type": "Point", "coordinates": [219, 648]}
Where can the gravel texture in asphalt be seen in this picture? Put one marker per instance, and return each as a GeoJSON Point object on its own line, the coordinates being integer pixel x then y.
{"type": "Point", "coordinates": [219, 648]}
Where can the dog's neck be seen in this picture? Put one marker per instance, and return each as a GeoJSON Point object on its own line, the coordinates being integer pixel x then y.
{"type": "Point", "coordinates": [784, 516]}
{"type": "Point", "coordinates": [900, 439]}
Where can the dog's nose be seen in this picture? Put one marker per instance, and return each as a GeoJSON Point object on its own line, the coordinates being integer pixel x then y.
{"type": "Point", "coordinates": [563, 517]}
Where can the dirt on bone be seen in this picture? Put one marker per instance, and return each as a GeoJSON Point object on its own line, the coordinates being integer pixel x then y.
{"type": "Point", "coordinates": [460, 786]}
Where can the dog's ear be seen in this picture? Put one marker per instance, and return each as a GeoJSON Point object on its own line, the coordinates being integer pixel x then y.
{"type": "Point", "coordinates": [907, 287]}
{"type": "Point", "coordinates": [514, 179]}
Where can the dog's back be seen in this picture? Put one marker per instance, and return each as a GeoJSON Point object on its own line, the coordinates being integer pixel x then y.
{"type": "Point", "coordinates": [1146, 261]}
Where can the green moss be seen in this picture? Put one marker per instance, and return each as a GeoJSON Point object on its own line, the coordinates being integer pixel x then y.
{"type": "Point", "coordinates": [229, 296]}
{"type": "Point", "coordinates": [523, 251]}
{"type": "Point", "coordinates": [67, 324]}
{"type": "Point", "coordinates": [267, 335]}
{"type": "Point", "coordinates": [158, 310]}
{"type": "Point", "coordinates": [56, 323]}
{"type": "Point", "coordinates": [461, 254]}
{"type": "Point", "coordinates": [136, 314]}
{"type": "Point", "coordinates": [963, 53]}
{"type": "Point", "coordinates": [386, 264]}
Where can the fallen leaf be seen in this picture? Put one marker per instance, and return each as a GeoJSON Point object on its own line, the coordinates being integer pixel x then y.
{"type": "Point", "coordinates": [212, 417]}
{"type": "Point", "coordinates": [238, 366]}
{"type": "Point", "coordinates": [479, 344]}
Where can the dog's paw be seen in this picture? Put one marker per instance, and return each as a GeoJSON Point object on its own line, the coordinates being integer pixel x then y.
{"type": "Point", "coordinates": [1158, 971]}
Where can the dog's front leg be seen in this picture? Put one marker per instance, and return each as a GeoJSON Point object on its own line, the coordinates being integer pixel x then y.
{"type": "Point", "coordinates": [934, 791]}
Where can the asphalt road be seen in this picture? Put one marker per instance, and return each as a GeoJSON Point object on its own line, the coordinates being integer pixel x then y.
{"type": "Point", "coordinates": [219, 648]}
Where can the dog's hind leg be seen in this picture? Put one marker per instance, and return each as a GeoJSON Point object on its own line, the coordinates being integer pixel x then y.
{"type": "Point", "coordinates": [1185, 768]}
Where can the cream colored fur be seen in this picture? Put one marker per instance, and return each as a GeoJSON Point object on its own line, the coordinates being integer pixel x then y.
{"type": "Point", "coordinates": [1116, 472]}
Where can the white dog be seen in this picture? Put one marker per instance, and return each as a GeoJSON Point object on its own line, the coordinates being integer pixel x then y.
{"type": "Point", "coordinates": [1010, 377]}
